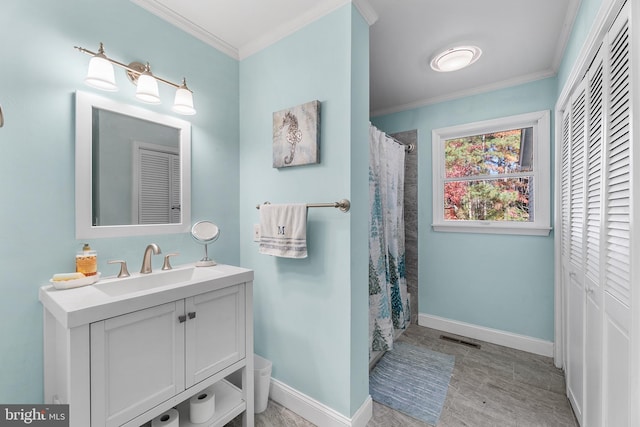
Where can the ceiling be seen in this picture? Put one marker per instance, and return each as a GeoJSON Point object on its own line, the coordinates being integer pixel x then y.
{"type": "Point", "coordinates": [521, 40]}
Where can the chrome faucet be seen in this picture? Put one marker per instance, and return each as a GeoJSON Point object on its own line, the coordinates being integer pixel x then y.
{"type": "Point", "coordinates": [146, 259]}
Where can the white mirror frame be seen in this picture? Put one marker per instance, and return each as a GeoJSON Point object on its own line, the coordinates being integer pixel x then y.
{"type": "Point", "coordinates": [85, 102]}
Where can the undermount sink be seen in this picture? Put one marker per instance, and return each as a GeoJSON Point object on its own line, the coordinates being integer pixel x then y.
{"type": "Point", "coordinates": [144, 282]}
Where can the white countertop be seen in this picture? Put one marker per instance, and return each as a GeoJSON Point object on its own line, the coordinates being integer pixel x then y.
{"type": "Point", "coordinates": [91, 303]}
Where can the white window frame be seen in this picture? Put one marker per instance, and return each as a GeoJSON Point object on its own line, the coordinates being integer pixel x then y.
{"type": "Point", "coordinates": [541, 226]}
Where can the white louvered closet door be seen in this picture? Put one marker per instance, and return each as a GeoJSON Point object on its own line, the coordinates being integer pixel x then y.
{"type": "Point", "coordinates": [617, 261]}
{"type": "Point", "coordinates": [565, 190]}
{"type": "Point", "coordinates": [592, 413]}
{"type": "Point", "coordinates": [595, 213]}
{"type": "Point", "coordinates": [577, 176]}
{"type": "Point", "coordinates": [577, 134]}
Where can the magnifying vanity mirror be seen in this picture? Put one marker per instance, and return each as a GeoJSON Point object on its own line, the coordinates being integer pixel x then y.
{"type": "Point", "coordinates": [205, 232]}
{"type": "Point", "coordinates": [133, 170]}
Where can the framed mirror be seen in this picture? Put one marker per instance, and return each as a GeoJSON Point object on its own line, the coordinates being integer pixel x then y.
{"type": "Point", "coordinates": [133, 170]}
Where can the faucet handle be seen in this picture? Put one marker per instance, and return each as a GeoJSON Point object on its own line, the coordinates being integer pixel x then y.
{"type": "Point", "coordinates": [123, 267]}
{"type": "Point", "coordinates": [167, 265]}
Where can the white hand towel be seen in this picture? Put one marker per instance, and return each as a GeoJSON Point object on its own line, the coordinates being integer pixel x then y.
{"type": "Point", "coordinates": [283, 230]}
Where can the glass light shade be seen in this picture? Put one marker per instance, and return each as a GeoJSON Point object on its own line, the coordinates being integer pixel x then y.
{"type": "Point", "coordinates": [147, 89]}
{"type": "Point", "coordinates": [183, 102]}
{"type": "Point", "coordinates": [455, 58]}
{"type": "Point", "coordinates": [100, 74]}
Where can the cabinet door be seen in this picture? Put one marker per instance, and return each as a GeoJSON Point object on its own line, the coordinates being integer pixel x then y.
{"type": "Point", "coordinates": [137, 362]}
{"type": "Point", "coordinates": [215, 331]}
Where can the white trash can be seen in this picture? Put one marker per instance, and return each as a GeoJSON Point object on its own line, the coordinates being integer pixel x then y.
{"type": "Point", "coordinates": [261, 382]}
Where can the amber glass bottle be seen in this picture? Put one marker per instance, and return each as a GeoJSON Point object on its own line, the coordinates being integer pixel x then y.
{"type": "Point", "coordinates": [87, 261]}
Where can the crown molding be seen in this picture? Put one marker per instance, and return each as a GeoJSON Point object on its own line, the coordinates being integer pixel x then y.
{"type": "Point", "coordinates": [603, 20]}
{"type": "Point", "coordinates": [464, 93]}
{"type": "Point", "coordinates": [188, 26]}
{"type": "Point", "coordinates": [280, 32]}
{"type": "Point", "coordinates": [241, 52]}
{"type": "Point", "coordinates": [367, 11]}
{"type": "Point", "coordinates": [567, 26]}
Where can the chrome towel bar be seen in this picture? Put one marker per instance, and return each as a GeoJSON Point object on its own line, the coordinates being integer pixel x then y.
{"type": "Point", "coordinates": [344, 205]}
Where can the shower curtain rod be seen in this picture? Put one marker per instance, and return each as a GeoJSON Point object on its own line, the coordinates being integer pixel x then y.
{"type": "Point", "coordinates": [409, 148]}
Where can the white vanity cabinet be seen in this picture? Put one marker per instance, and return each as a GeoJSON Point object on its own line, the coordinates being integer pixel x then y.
{"type": "Point", "coordinates": [125, 361]}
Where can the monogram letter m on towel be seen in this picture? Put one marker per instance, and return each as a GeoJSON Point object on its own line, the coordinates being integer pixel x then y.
{"type": "Point", "coordinates": [283, 230]}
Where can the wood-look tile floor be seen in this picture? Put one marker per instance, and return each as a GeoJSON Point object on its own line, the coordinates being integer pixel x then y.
{"type": "Point", "coordinates": [490, 386]}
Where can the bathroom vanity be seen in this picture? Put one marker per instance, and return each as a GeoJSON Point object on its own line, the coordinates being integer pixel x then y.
{"type": "Point", "coordinates": [123, 351]}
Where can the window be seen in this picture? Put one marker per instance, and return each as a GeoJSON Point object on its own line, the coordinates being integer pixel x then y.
{"type": "Point", "coordinates": [493, 176]}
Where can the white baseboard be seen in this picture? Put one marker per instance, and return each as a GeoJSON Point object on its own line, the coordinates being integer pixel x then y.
{"type": "Point", "coordinates": [495, 336]}
{"type": "Point", "coordinates": [316, 412]}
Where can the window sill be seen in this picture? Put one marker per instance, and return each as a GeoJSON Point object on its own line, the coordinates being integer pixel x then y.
{"type": "Point", "coordinates": [493, 228]}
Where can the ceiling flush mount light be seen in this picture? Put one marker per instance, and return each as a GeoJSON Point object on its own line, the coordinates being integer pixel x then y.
{"type": "Point", "coordinates": [101, 76]}
{"type": "Point", "coordinates": [455, 58]}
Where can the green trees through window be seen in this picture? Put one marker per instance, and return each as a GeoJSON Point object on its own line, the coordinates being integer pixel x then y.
{"type": "Point", "coordinates": [488, 177]}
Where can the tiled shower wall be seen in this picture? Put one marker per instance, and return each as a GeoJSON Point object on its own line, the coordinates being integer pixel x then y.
{"type": "Point", "coordinates": [411, 216]}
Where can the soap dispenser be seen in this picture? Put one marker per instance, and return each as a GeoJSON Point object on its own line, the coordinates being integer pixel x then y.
{"type": "Point", "coordinates": [87, 261]}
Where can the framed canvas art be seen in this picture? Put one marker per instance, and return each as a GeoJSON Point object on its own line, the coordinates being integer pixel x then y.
{"type": "Point", "coordinates": [296, 135]}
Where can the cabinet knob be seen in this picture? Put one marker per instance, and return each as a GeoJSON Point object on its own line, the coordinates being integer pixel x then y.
{"type": "Point", "coordinates": [182, 318]}
{"type": "Point", "coordinates": [192, 315]}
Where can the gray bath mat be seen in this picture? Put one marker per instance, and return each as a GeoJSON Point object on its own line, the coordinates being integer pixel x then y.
{"type": "Point", "coordinates": [412, 380]}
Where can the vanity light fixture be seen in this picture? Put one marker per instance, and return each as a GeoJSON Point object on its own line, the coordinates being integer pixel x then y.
{"type": "Point", "coordinates": [455, 58]}
{"type": "Point", "coordinates": [147, 90]}
{"type": "Point", "coordinates": [101, 76]}
{"type": "Point", "coordinates": [183, 102]}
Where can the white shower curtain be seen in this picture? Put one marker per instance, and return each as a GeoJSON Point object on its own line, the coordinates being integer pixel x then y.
{"type": "Point", "coordinates": [388, 303]}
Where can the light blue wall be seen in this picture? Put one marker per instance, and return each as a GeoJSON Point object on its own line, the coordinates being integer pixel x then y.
{"type": "Point", "coordinates": [495, 281]}
{"type": "Point", "coordinates": [303, 307]}
{"type": "Point", "coordinates": [39, 73]}
{"type": "Point", "coordinates": [359, 211]}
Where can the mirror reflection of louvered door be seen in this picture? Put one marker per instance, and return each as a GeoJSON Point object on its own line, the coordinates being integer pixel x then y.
{"type": "Point", "coordinates": [595, 186]}
{"type": "Point", "coordinates": [175, 212]}
{"type": "Point", "coordinates": [157, 192]}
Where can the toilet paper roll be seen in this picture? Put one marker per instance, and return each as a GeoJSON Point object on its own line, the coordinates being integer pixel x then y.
{"type": "Point", "coordinates": [202, 406]}
{"type": "Point", "coordinates": [171, 418]}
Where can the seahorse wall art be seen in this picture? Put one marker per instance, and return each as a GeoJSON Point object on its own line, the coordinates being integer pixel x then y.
{"type": "Point", "coordinates": [296, 135]}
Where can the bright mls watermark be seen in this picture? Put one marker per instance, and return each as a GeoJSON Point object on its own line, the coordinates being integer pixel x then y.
{"type": "Point", "coordinates": [34, 415]}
